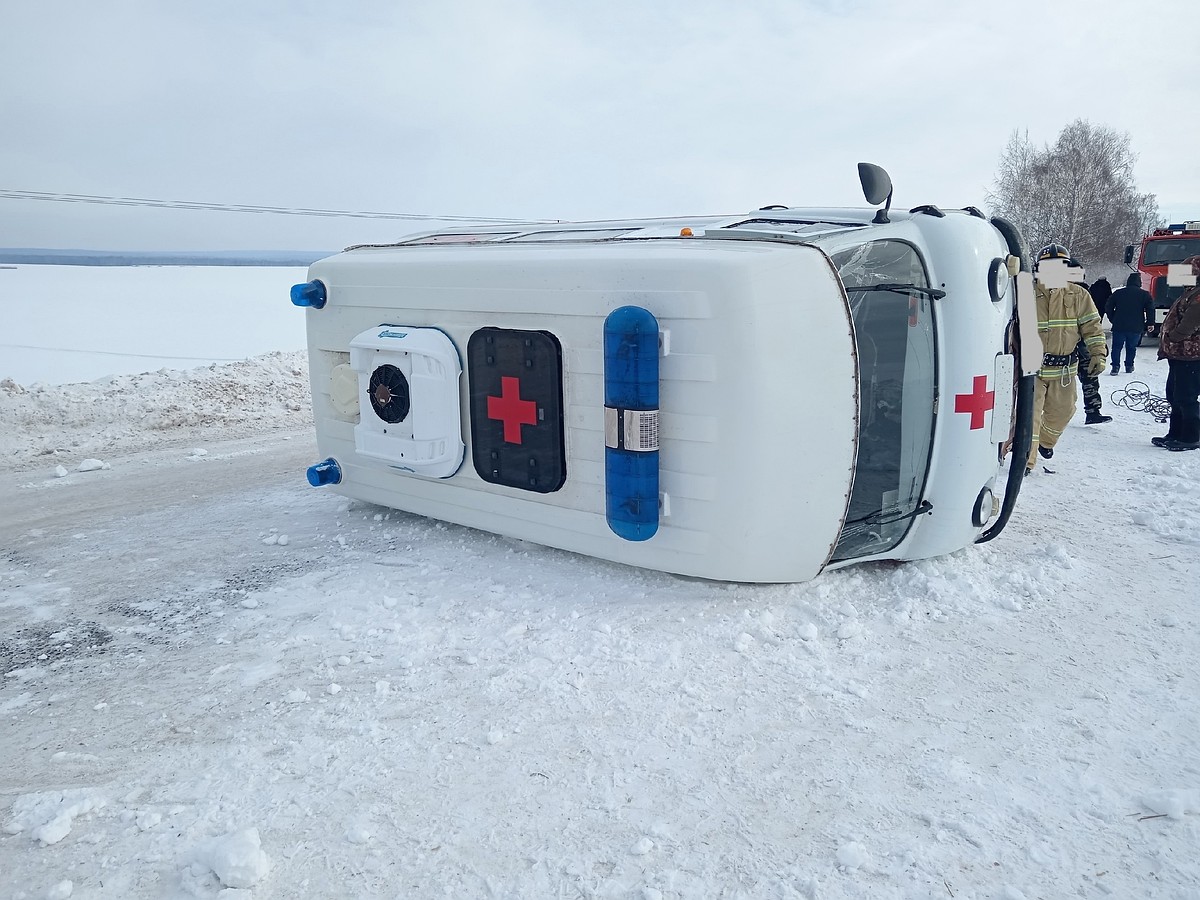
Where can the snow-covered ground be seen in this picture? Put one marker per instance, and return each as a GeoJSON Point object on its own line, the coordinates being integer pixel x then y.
{"type": "Point", "coordinates": [216, 681]}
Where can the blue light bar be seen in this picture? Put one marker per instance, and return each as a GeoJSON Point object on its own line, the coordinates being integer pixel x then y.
{"type": "Point", "coordinates": [311, 293]}
{"type": "Point", "coordinates": [631, 423]}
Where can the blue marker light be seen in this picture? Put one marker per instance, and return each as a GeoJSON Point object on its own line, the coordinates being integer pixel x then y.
{"type": "Point", "coordinates": [631, 423]}
{"type": "Point", "coordinates": [311, 293]}
{"type": "Point", "coordinates": [325, 472]}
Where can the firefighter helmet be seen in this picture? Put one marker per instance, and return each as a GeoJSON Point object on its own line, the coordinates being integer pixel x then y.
{"type": "Point", "coordinates": [1053, 251]}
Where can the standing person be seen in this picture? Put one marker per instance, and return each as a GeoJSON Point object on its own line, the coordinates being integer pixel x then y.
{"type": "Point", "coordinates": [1087, 381]}
{"type": "Point", "coordinates": [1179, 345]}
{"type": "Point", "coordinates": [1131, 312]}
{"type": "Point", "coordinates": [1066, 316]}
{"type": "Point", "coordinates": [1101, 290]}
{"type": "Point", "coordinates": [1092, 401]}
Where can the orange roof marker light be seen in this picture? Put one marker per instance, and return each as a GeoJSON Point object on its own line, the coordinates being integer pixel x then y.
{"type": "Point", "coordinates": [685, 232]}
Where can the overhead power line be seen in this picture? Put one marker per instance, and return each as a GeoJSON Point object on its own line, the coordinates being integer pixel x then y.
{"type": "Point", "coordinates": [91, 352]}
{"type": "Point", "coordinates": [244, 208]}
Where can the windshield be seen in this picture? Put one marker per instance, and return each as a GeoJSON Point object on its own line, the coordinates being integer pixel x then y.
{"type": "Point", "coordinates": [894, 333]}
{"type": "Point", "coordinates": [1174, 250]}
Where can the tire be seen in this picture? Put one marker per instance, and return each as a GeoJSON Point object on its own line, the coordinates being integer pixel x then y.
{"type": "Point", "coordinates": [1016, 242]}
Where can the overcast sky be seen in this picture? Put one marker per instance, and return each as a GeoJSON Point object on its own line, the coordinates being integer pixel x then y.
{"type": "Point", "coordinates": [545, 109]}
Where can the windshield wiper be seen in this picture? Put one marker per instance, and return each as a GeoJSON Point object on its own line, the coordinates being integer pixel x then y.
{"type": "Point", "coordinates": [902, 289]}
{"type": "Point", "coordinates": [894, 514]}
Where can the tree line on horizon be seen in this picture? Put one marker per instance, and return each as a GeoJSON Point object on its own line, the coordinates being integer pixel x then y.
{"type": "Point", "coordinates": [48, 256]}
{"type": "Point", "coordinates": [1079, 191]}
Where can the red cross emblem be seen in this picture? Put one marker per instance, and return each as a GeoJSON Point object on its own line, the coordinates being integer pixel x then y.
{"type": "Point", "coordinates": [517, 432]}
{"type": "Point", "coordinates": [979, 401]}
{"type": "Point", "coordinates": [510, 409]}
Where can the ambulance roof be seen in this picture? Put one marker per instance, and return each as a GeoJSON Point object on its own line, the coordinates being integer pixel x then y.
{"type": "Point", "coordinates": [771, 223]}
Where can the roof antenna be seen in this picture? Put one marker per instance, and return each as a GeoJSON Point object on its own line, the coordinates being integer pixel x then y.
{"type": "Point", "coordinates": [877, 187]}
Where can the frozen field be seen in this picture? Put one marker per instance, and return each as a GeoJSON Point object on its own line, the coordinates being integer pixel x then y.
{"type": "Point", "coordinates": [78, 323]}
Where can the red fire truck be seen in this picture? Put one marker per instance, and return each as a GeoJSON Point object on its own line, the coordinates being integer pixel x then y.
{"type": "Point", "coordinates": [1158, 250]}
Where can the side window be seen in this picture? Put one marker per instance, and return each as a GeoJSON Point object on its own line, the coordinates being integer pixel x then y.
{"type": "Point", "coordinates": [894, 333]}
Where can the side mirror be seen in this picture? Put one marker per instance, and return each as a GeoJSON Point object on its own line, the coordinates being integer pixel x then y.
{"type": "Point", "coordinates": [1129, 254]}
{"type": "Point", "coordinates": [876, 183]}
{"type": "Point", "coordinates": [877, 188]}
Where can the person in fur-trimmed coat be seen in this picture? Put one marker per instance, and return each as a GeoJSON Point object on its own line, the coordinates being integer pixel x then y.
{"type": "Point", "coordinates": [1180, 347]}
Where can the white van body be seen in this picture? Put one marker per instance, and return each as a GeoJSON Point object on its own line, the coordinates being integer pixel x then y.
{"type": "Point", "coordinates": [829, 390]}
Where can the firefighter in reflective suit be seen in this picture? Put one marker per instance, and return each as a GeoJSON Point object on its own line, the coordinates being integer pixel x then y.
{"type": "Point", "coordinates": [1066, 316]}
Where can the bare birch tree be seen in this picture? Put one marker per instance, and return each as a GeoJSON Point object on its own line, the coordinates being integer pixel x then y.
{"type": "Point", "coordinates": [1079, 192]}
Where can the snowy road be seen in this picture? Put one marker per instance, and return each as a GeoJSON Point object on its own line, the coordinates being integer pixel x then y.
{"type": "Point", "coordinates": [154, 481]}
{"type": "Point", "coordinates": [160, 522]}
{"type": "Point", "coordinates": [201, 653]}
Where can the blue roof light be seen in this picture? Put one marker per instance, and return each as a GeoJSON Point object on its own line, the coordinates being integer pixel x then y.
{"type": "Point", "coordinates": [311, 293]}
{"type": "Point", "coordinates": [631, 376]}
{"type": "Point", "coordinates": [327, 471]}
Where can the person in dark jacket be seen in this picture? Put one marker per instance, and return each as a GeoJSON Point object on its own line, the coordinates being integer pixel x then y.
{"type": "Point", "coordinates": [1100, 292]}
{"type": "Point", "coordinates": [1131, 312]}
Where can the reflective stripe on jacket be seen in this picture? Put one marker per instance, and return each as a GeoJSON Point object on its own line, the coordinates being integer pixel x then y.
{"type": "Point", "coordinates": [1067, 315]}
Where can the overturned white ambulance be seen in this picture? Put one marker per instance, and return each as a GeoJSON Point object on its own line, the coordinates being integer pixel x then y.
{"type": "Point", "coordinates": [746, 398]}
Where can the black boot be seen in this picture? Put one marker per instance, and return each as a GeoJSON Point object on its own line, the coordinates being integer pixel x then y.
{"type": "Point", "coordinates": [1045, 452]}
{"type": "Point", "coordinates": [1114, 371]}
{"type": "Point", "coordinates": [1095, 417]}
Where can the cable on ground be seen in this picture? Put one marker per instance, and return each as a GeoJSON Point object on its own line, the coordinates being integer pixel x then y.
{"type": "Point", "coordinates": [1137, 397]}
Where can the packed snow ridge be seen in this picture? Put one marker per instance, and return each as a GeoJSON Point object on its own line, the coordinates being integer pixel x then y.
{"type": "Point", "coordinates": [42, 424]}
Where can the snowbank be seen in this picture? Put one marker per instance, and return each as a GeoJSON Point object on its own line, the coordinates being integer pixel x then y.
{"type": "Point", "coordinates": [41, 424]}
